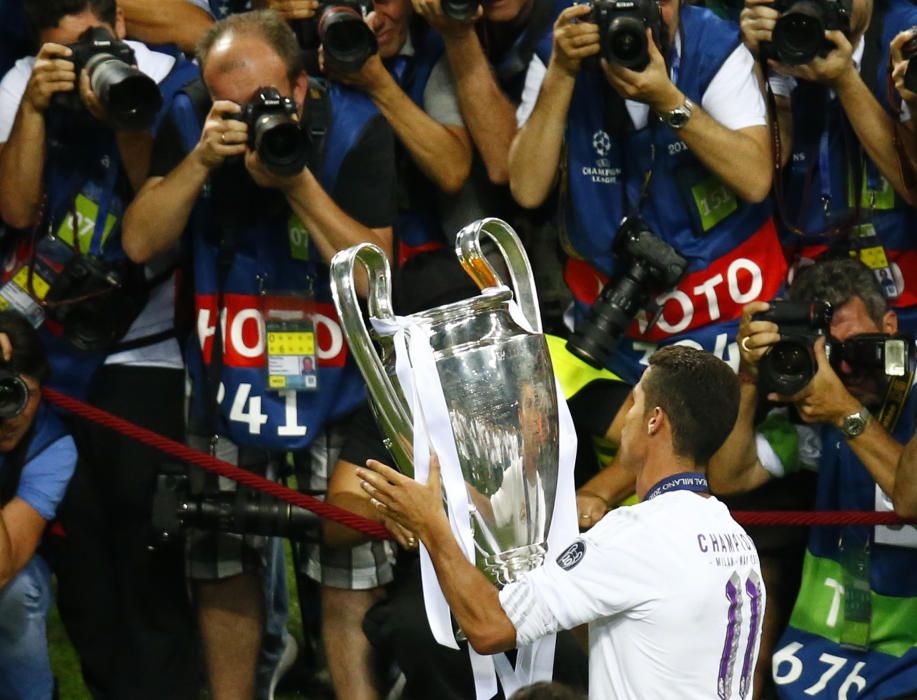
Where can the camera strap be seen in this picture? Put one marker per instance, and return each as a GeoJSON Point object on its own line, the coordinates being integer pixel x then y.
{"type": "Point", "coordinates": [318, 120]}
{"type": "Point", "coordinates": [897, 392]}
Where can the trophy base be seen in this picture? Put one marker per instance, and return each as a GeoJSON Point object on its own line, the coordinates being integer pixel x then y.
{"type": "Point", "coordinates": [506, 567]}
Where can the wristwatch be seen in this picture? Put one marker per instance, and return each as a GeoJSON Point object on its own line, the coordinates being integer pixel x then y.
{"type": "Point", "coordinates": [678, 117]}
{"type": "Point", "coordinates": [855, 423]}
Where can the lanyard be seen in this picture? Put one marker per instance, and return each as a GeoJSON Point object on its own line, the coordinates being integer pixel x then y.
{"type": "Point", "coordinates": [695, 482]}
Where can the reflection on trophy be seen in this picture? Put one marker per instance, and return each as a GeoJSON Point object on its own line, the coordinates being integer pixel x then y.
{"type": "Point", "coordinates": [492, 362]}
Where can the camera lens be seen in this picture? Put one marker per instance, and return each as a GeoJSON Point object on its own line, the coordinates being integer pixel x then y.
{"type": "Point", "coordinates": [799, 33]}
{"type": "Point", "coordinates": [131, 98]}
{"type": "Point", "coordinates": [460, 9]}
{"type": "Point", "coordinates": [790, 359]}
{"type": "Point", "coordinates": [347, 40]}
{"type": "Point", "coordinates": [281, 144]}
{"type": "Point", "coordinates": [13, 395]}
{"type": "Point", "coordinates": [626, 43]}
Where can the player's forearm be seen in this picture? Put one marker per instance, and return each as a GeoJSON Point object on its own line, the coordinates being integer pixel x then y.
{"type": "Point", "coordinates": [155, 220]}
{"type": "Point", "coordinates": [336, 535]}
{"type": "Point", "coordinates": [534, 157]}
{"type": "Point", "coordinates": [874, 128]}
{"type": "Point", "coordinates": [439, 152]}
{"type": "Point", "coordinates": [473, 599]}
{"type": "Point", "coordinates": [22, 161]}
{"type": "Point", "coordinates": [905, 494]}
{"type": "Point", "coordinates": [166, 22]}
{"type": "Point", "coordinates": [489, 115]}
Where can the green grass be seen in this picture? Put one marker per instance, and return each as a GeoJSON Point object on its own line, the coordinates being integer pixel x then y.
{"type": "Point", "coordinates": [297, 685]}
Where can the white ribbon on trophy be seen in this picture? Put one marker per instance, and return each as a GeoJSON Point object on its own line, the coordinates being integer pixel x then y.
{"type": "Point", "coordinates": [416, 371]}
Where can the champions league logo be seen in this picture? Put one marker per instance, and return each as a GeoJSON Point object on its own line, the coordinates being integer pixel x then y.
{"type": "Point", "coordinates": [602, 172]}
{"type": "Point", "coordinates": [572, 555]}
{"type": "Point", "coordinates": [601, 142]}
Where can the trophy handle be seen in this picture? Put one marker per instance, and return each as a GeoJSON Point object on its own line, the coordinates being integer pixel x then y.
{"type": "Point", "coordinates": [393, 416]}
{"type": "Point", "coordinates": [472, 258]}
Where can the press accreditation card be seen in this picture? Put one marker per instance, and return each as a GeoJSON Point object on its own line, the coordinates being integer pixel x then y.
{"type": "Point", "coordinates": [292, 364]}
{"type": "Point", "coordinates": [25, 291]}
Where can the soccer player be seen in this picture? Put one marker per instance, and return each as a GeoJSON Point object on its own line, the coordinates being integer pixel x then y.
{"type": "Point", "coordinates": [671, 588]}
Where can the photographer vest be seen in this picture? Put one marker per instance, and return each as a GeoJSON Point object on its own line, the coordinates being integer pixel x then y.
{"type": "Point", "coordinates": [258, 256]}
{"type": "Point", "coordinates": [828, 165]}
{"type": "Point", "coordinates": [86, 191]}
{"type": "Point", "coordinates": [47, 428]}
{"type": "Point", "coordinates": [812, 646]}
{"type": "Point", "coordinates": [731, 246]}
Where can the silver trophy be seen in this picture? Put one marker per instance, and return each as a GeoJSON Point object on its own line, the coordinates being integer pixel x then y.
{"type": "Point", "coordinates": [498, 384]}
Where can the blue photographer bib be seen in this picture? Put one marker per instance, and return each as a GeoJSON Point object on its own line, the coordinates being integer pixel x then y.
{"type": "Point", "coordinates": [271, 251]}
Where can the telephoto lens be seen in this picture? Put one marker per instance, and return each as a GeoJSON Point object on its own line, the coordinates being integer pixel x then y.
{"type": "Point", "coordinates": [275, 134]}
{"type": "Point", "coordinates": [799, 34]}
{"type": "Point", "coordinates": [789, 365]}
{"type": "Point", "coordinates": [346, 38]}
{"type": "Point", "coordinates": [460, 9]}
{"type": "Point", "coordinates": [622, 30]}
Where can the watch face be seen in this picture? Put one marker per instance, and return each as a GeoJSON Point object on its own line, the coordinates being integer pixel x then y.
{"type": "Point", "coordinates": [854, 425]}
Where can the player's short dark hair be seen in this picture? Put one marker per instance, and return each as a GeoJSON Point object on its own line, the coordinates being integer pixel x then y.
{"type": "Point", "coordinates": [47, 14]}
{"type": "Point", "coordinates": [28, 356]}
{"type": "Point", "coordinates": [837, 281]}
{"type": "Point", "coordinates": [268, 25]}
{"type": "Point", "coordinates": [547, 690]}
{"type": "Point", "coordinates": [700, 395]}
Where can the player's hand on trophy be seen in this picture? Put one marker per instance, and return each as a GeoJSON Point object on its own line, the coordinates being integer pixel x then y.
{"type": "Point", "coordinates": [414, 506]}
{"type": "Point", "coordinates": [590, 508]}
{"type": "Point", "coordinates": [402, 535]}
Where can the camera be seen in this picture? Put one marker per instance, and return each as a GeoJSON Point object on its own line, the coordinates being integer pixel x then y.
{"type": "Point", "coordinates": [242, 511]}
{"type": "Point", "coordinates": [799, 34]}
{"type": "Point", "coordinates": [654, 266]}
{"type": "Point", "coordinates": [622, 30]}
{"type": "Point", "coordinates": [131, 99]}
{"type": "Point", "coordinates": [347, 39]}
{"type": "Point", "coordinates": [460, 9]}
{"type": "Point", "coordinates": [274, 132]}
{"type": "Point", "coordinates": [14, 394]}
{"type": "Point", "coordinates": [789, 365]}
{"type": "Point", "coordinates": [908, 51]}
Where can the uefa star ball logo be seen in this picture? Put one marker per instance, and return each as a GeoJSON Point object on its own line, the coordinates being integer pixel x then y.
{"type": "Point", "coordinates": [601, 142]}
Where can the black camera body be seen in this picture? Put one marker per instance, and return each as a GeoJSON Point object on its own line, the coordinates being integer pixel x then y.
{"type": "Point", "coordinates": [131, 99]}
{"type": "Point", "coordinates": [14, 394]}
{"type": "Point", "coordinates": [654, 266]}
{"type": "Point", "coordinates": [789, 365]}
{"type": "Point", "coordinates": [908, 51]}
{"type": "Point", "coordinates": [799, 34]}
{"type": "Point", "coordinates": [346, 38]}
{"type": "Point", "coordinates": [622, 30]}
{"type": "Point", "coordinates": [274, 132]}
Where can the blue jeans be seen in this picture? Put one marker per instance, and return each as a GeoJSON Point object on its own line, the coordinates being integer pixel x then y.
{"type": "Point", "coordinates": [25, 669]}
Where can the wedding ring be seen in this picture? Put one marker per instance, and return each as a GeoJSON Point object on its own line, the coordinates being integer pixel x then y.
{"type": "Point", "coordinates": [745, 344]}
{"type": "Point", "coordinates": [412, 542]}
{"type": "Point", "coordinates": [586, 516]}
{"type": "Point", "coordinates": [223, 137]}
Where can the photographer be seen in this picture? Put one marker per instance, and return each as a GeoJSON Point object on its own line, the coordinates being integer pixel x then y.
{"type": "Point", "coordinates": [853, 436]}
{"type": "Point", "coordinates": [838, 135]}
{"type": "Point", "coordinates": [678, 138]}
{"type": "Point", "coordinates": [262, 222]}
{"type": "Point", "coordinates": [37, 458]}
{"type": "Point", "coordinates": [76, 124]}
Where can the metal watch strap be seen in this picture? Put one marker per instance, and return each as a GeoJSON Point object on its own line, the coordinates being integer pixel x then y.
{"type": "Point", "coordinates": [678, 117]}
{"type": "Point", "coordinates": [855, 423]}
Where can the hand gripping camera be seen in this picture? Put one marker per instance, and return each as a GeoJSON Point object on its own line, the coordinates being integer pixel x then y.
{"type": "Point", "coordinates": [655, 266]}
{"type": "Point", "coordinates": [622, 30]}
{"type": "Point", "coordinates": [131, 99]}
{"type": "Point", "coordinates": [347, 39]}
{"type": "Point", "coordinates": [274, 132]}
{"type": "Point", "coordinates": [908, 51]}
{"type": "Point", "coordinates": [799, 35]}
{"type": "Point", "coordinates": [790, 363]}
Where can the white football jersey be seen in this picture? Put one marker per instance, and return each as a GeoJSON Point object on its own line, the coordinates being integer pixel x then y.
{"type": "Point", "coordinates": [672, 591]}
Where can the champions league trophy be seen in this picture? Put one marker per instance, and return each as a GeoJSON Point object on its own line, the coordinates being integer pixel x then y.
{"type": "Point", "coordinates": [500, 410]}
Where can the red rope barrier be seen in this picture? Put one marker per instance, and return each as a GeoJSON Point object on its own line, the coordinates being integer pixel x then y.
{"type": "Point", "coordinates": [371, 528]}
{"type": "Point", "coordinates": [218, 466]}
